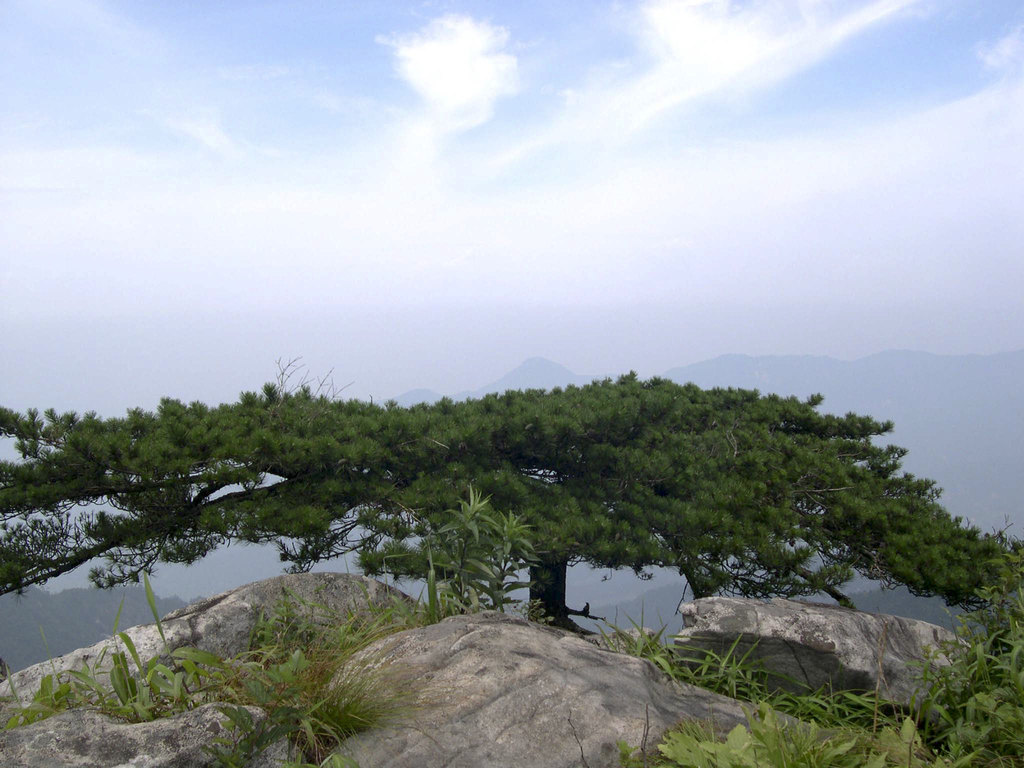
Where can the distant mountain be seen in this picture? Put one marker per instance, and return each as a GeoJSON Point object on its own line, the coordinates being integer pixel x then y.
{"type": "Point", "coordinates": [68, 620]}
{"type": "Point", "coordinates": [655, 608]}
{"type": "Point", "coordinates": [534, 373]}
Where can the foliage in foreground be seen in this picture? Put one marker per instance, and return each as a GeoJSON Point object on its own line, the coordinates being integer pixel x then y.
{"type": "Point", "coordinates": [770, 742]}
{"type": "Point", "coordinates": [976, 704]}
{"type": "Point", "coordinates": [303, 672]}
{"type": "Point", "coordinates": [973, 715]}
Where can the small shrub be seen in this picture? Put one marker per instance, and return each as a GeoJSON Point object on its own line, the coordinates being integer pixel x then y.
{"type": "Point", "coordinates": [475, 557]}
{"type": "Point", "coordinates": [308, 673]}
{"type": "Point", "coordinates": [769, 741]}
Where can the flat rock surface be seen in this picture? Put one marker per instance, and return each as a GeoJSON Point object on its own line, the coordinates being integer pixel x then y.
{"type": "Point", "coordinates": [496, 690]}
{"type": "Point", "coordinates": [85, 739]}
{"type": "Point", "coordinates": [808, 645]}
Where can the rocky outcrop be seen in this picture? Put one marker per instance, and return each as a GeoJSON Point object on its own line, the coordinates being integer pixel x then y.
{"type": "Point", "coordinates": [220, 624]}
{"type": "Point", "coordinates": [84, 739]}
{"type": "Point", "coordinates": [487, 689]}
{"type": "Point", "coordinates": [809, 645]}
{"type": "Point", "coordinates": [498, 691]}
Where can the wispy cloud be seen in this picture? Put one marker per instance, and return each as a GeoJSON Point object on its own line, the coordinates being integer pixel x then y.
{"type": "Point", "coordinates": [207, 131]}
{"type": "Point", "coordinates": [693, 50]}
{"type": "Point", "coordinates": [1005, 54]}
{"type": "Point", "coordinates": [706, 46]}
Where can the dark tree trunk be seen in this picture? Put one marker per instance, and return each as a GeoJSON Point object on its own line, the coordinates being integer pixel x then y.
{"type": "Point", "coordinates": [697, 589]}
{"type": "Point", "coordinates": [548, 586]}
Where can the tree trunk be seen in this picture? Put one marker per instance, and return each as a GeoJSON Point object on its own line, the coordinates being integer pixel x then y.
{"type": "Point", "coordinates": [697, 590]}
{"type": "Point", "coordinates": [547, 585]}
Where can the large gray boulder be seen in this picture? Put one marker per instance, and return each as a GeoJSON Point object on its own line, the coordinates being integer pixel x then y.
{"type": "Point", "coordinates": [83, 739]}
{"type": "Point", "coordinates": [220, 624]}
{"type": "Point", "coordinates": [496, 690]}
{"type": "Point", "coordinates": [810, 645]}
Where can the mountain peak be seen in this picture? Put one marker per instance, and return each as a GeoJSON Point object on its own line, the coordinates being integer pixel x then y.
{"type": "Point", "coordinates": [541, 364]}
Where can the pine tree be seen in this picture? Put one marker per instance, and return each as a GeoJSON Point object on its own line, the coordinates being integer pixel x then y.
{"type": "Point", "coordinates": [742, 493]}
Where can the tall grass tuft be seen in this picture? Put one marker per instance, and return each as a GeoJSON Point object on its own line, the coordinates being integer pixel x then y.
{"type": "Point", "coordinates": [309, 673]}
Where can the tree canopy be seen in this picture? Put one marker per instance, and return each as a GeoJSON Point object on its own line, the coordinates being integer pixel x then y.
{"type": "Point", "coordinates": [742, 493]}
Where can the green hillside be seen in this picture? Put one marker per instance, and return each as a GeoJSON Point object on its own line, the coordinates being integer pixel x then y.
{"type": "Point", "coordinates": [69, 620]}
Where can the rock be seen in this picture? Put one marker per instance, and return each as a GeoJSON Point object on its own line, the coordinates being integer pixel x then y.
{"type": "Point", "coordinates": [85, 739]}
{"type": "Point", "coordinates": [809, 645]}
{"type": "Point", "coordinates": [497, 690]}
{"type": "Point", "coordinates": [489, 690]}
{"type": "Point", "coordinates": [219, 624]}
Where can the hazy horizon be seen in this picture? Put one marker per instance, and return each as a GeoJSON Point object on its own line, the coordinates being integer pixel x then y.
{"type": "Point", "coordinates": [109, 364]}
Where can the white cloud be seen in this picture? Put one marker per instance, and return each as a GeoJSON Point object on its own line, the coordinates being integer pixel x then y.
{"type": "Point", "coordinates": [920, 207]}
{"type": "Point", "coordinates": [459, 68]}
{"type": "Point", "coordinates": [1006, 54]}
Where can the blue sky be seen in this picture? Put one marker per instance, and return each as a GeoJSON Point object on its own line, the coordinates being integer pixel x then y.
{"type": "Point", "coordinates": [828, 177]}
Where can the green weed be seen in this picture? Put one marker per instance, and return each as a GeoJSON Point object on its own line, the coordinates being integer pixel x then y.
{"type": "Point", "coordinates": [769, 741]}
{"type": "Point", "coordinates": [975, 707]}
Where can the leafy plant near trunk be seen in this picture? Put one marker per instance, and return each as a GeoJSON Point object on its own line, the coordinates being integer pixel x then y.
{"type": "Point", "coordinates": [472, 562]}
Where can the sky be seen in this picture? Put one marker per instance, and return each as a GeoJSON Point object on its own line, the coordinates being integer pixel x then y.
{"type": "Point", "coordinates": [424, 194]}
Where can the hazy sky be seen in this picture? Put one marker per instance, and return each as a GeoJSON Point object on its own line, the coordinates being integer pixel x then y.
{"type": "Point", "coordinates": [424, 194]}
